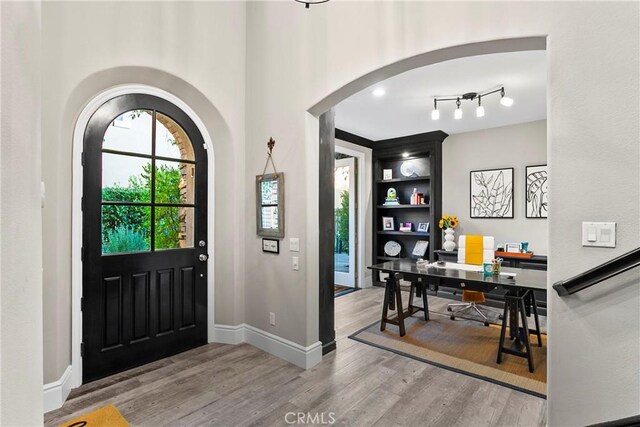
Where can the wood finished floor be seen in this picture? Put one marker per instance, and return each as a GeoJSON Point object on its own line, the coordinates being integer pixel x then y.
{"type": "Point", "coordinates": [226, 385]}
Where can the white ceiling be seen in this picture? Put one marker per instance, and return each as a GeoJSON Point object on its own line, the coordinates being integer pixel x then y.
{"type": "Point", "coordinates": [406, 107]}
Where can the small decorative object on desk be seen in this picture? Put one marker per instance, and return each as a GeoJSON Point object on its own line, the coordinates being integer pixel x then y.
{"type": "Point", "coordinates": [487, 268]}
{"type": "Point", "coordinates": [387, 174]}
{"type": "Point", "coordinates": [422, 263]}
{"type": "Point", "coordinates": [388, 223]}
{"type": "Point", "coordinates": [497, 263]}
{"type": "Point", "coordinates": [391, 199]}
{"type": "Point", "coordinates": [524, 247]}
{"type": "Point", "coordinates": [448, 222]}
{"type": "Point", "coordinates": [405, 226]}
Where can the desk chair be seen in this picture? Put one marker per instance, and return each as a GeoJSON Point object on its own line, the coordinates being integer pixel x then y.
{"type": "Point", "coordinates": [474, 250]}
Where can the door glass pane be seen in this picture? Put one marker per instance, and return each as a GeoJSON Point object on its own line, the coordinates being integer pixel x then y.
{"type": "Point", "coordinates": [171, 140]}
{"type": "Point", "coordinates": [130, 132]}
{"type": "Point", "coordinates": [175, 182]}
{"type": "Point", "coordinates": [125, 178]}
{"type": "Point", "coordinates": [341, 203]}
{"type": "Point", "coordinates": [125, 229]}
{"type": "Point", "coordinates": [174, 227]}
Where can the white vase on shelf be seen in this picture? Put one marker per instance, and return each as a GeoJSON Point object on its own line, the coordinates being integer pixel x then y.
{"type": "Point", "coordinates": [449, 240]}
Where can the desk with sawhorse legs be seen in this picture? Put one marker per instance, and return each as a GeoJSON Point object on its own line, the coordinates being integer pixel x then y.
{"type": "Point", "coordinates": [519, 300]}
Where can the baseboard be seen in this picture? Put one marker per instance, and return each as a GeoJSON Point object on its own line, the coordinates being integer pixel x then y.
{"type": "Point", "coordinates": [227, 334]}
{"type": "Point", "coordinates": [55, 393]}
{"type": "Point", "coordinates": [304, 357]}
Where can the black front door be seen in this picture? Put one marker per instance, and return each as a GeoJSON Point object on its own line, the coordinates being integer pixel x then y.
{"type": "Point", "coordinates": [144, 235]}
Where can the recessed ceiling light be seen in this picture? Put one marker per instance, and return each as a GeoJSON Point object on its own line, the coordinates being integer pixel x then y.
{"type": "Point", "coordinates": [405, 154]}
{"type": "Point", "coordinates": [379, 92]}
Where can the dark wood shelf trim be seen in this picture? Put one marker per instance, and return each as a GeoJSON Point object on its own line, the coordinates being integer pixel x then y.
{"type": "Point", "coordinates": [404, 206]}
{"type": "Point", "coordinates": [405, 233]}
{"type": "Point", "coordinates": [396, 180]}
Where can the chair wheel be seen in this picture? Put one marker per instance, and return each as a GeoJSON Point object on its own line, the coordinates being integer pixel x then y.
{"type": "Point", "coordinates": [448, 308]}
{"type": "Point", "coordinates": [453, 317]}
{"type": "Point", "coordinates": [486, 323]}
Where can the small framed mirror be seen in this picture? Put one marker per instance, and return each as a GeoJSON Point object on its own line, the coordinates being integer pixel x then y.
{"type": "Point", "coordinates": [270, 205]}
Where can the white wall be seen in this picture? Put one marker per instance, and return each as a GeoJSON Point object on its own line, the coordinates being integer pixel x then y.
{"type": "Point", "coordinates": [194, 50]}
{"type": "Point", "coordinates": [514, 146]}
{"type": "Point", "coordinates": [20, 216]}
{"type": "Point", "coordinates": [297, 57]}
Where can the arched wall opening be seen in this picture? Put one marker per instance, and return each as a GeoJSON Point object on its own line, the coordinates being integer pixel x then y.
{"type": "Point", "coordinates": [320, 132]}
{"type": "Point", "coordinates": [84, 100]}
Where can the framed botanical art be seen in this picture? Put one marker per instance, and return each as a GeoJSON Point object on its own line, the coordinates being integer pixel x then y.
{"type": "Point", "coordinates": [536, 191]}
{"type": "Point", "coordinates": [491, 193]}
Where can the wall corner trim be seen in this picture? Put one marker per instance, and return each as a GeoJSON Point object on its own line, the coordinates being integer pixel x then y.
{"type": "Point", "coordinates": [55, 393]}
{"type": "Point", "coordinates": [304, 357]}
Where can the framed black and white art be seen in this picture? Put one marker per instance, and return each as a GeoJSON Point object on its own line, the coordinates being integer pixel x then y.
{"type": "Point", "coordinates": [536, 191]}
{"type": "Point", "coordinates": [491, 193]}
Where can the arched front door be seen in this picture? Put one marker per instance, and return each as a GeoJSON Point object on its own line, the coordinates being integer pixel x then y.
{"type": "Point", "coordinates": [144, 235]}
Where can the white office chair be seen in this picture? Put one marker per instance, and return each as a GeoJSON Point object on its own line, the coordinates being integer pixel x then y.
{"type": "Point", "coordinates": [472, 298]}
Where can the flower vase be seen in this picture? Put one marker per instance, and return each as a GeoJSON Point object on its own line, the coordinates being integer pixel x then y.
{"type": "Point", "coordinates": [449, 240]}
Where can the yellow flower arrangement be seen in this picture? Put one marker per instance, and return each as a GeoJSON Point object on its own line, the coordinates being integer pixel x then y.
{"type": "Point", "coordinates": [448, 221]}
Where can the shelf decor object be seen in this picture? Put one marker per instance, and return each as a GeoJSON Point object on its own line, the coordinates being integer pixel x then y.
{"type": "Point", "coordinates": [491, 193]}
{"type": "Point", "coordinates": [270, 199]}
{"type": "Point", "coordinates": [392, 248]}
{"type": "Point", "coordinates": [420, 248]}
{"type": "Point", "coordinates": [391, 199]}
{"type": "Point", "coordinates": [536, 191]}
{"type": "Point", "coordinates": [448, 223]}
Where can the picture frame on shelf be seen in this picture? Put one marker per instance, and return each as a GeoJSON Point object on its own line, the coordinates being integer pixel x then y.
{"type": "Point", "coordinates": [420, 249]}
{"type": "Point", "coordinates": [512, 247]}
{"type": "Point", "coordinates": [406, 227]}
{"type": "Point", "coordinates": [423, 227]}
{"type": "Point", "coordinates": [388, 223]}
{"type": "Point", "coordinates": [387, 174]}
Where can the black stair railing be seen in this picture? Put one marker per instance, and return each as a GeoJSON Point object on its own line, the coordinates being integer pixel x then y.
{"type": "Point", "coordinates": [598, 274]}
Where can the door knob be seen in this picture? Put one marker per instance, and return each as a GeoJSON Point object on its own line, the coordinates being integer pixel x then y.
{"type": "Point", "coordinates": [203, 257]}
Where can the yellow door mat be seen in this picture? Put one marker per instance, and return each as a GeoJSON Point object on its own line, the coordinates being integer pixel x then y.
{"type": "Point", "coordinates": [108, 416]}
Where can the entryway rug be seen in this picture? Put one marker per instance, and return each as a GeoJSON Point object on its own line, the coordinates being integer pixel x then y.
{"type": "Point", "coordinates": [108, 416]}
{"type": "Point", "coordinates": [463, 346]}
{"type": "Point", "coordinates": [339, 290]}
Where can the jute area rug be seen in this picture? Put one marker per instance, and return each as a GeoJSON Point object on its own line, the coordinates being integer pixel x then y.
{"type": "Point", "coordinates": [462, 345]}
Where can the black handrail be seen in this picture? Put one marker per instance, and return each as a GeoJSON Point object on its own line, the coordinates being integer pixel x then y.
{"type": "Point", "coordinates": [598, 274]}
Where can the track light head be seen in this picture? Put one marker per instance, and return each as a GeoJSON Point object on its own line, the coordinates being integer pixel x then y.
{"type": "Point", "coordinates": [458, 113]}
{"type": "Point", "coordinates": [480, 109]}
{"type": "Point", "coordinates": [435, 114]}
{"type": "Point", "coordinates": [505, 100]}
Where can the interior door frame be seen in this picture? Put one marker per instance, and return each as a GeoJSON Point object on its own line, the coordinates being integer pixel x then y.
{"type": "Point", "coordinates": [361, 213]}
{"type": "Point", "coordinates": [354, 233]}
{"type": "Point", "coordinates": [76, 212]}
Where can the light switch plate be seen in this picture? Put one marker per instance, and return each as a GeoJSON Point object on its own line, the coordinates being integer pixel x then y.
{"type": "Point", "coordinates": [294, 244]}
{"type": "Point", "coordinates": [295, 263]}
{"type": "Point", "coordinates": [599, 234]}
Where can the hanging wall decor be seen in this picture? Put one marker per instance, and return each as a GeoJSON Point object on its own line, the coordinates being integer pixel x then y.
{"type": "Point", "coordinates": [492, 193]}
{"type": "Point", "coordinates": [536, 191]}
{"type": "Point", "coordinates": [270, 199]}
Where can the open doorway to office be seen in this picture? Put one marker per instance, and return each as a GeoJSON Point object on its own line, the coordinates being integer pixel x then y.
{"type": "Point", "coordinates": [511, 141]}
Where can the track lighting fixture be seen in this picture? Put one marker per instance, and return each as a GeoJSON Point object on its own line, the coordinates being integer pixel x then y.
{"type": "Point", "coordinates": [435, 114]}
{"type": "Point", "coordinates": [458, 113]}
{"type": "Point", "coordinates": [470, 96]}
{"type": "Point", "coordinates": [480, 109]}
{"type": "Point", "coordinates": [505, 100]}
